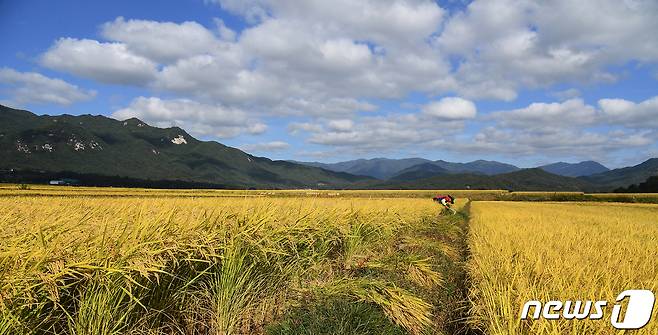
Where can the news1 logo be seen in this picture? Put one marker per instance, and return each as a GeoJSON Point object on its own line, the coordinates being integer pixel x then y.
{"type": "Point", "coordinates": [637, 312]}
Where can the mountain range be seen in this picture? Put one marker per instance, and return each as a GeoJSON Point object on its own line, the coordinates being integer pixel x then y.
{"type": "Point", "coordinates": [380, 168]}
{"type": "Point", "coordinates": [522, 180]}
{"type": "Point", "coordinates": [417, 168]}
{"type": "Point", "coordinates": [386, 168]}
{"type": "Point", "coordinates": [98, 145]}
{"type": "Point", "coordinates": [102, 150]}
{"type": "Point", "coordinates": [585, 168]}
{"type": "Point", "coordinates": [625, 176]}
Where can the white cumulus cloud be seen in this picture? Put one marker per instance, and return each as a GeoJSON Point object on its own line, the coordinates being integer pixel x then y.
{"type": "Point", "coordinates": [163, 42]}
{"type": "Point", "coordinates": [505, 45]}
{"type": "Point", "coordinates": [636, 115]}
{"type": "Point", "coordinates": [451, 108]}
{"type": "Point", "coordinates": [342, 125]}
{"type": "Point", "coordinates": [104, 62]}
{"type": "Point", "coordinates": [568, 129]}
{"type": "Point", "coordinates": [569, 113]}
{"type": "Point", "coordinates": [377, 134]}
{"type": "Point", "coordinates": [33, 87]}
{"type": "Point", "coordinates": [197, 118]}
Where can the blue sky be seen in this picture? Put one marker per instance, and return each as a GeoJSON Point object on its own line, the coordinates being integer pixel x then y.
{"type": "Point", "coordinates": [517, 81]}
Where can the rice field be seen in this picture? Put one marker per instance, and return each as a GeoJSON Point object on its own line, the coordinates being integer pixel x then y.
{"type": "Point", "coordinates": [85, 260]}
{"type": "Point", "coordinates": [558, 251]}
{"type": "Point", "coordinates": [81, 191]}
{"type": "Point", "coordinates": [12, 190]}
{"type": "Point", "coordinates": [138, 265]}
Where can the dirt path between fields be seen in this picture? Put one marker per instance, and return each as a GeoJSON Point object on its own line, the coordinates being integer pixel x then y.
{"type": "Point", "coordinates": [459, 319]}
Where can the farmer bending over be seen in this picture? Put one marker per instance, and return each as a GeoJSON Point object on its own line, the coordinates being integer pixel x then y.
{"type": "Point", "coordinates": [446, 201]}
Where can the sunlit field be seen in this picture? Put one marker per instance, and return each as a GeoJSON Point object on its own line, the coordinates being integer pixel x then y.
{"type": "Point", "coordinates": [86, 260]}
{"type": "Point", "coordinates": [245, 265]}
{"type": "Point", "coordinates": [47, 190]}
{"type": "Point", "coordinates": [558, 251]}
{"type": "Point", "coordinates": [504, 195]}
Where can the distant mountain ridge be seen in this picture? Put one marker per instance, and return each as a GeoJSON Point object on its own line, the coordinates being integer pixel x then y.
{"type": "Point", "coordinates": [130, 152]}
{"type": "Point", "coordinates": [380, 168]}
{"type": "Point", "coordinates": [584, 168]}
{"type": "Point", "coordinates": [522, 180]}
{"type": "Point", "coordinates": [420, 171]}
{"type": "Point", "coordinates": [103, 146]}
{"type": "Point", "coordinates": [385, 168]}
{"type": "Point", "coordinates": [587, 175]}
{"type": "Point", "coordinates": [624, 177]}
{"type": "Point", "coordinates": [399, 169]}
{"type": "Point", "coordinates": [478, 166]}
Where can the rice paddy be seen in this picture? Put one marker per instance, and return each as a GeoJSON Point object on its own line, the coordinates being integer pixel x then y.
{"type": "Point", "coordinates": [222, 265]}
{"type": "Point", "coordinates": [90, 260]}
{"type": "Point", "coordinates": [558, 251]}
{"type": "Point", "coordinates": [13, 190]}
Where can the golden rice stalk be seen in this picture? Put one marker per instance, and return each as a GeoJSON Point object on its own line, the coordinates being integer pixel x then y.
{"type": "Point", "coordinates": [420, 272]}
{"type": "Point", "coordinates": [399, 305]}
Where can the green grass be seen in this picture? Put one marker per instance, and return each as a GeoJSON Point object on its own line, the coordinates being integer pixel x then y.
{"type": "Point", "coordinates": [336, 317]}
